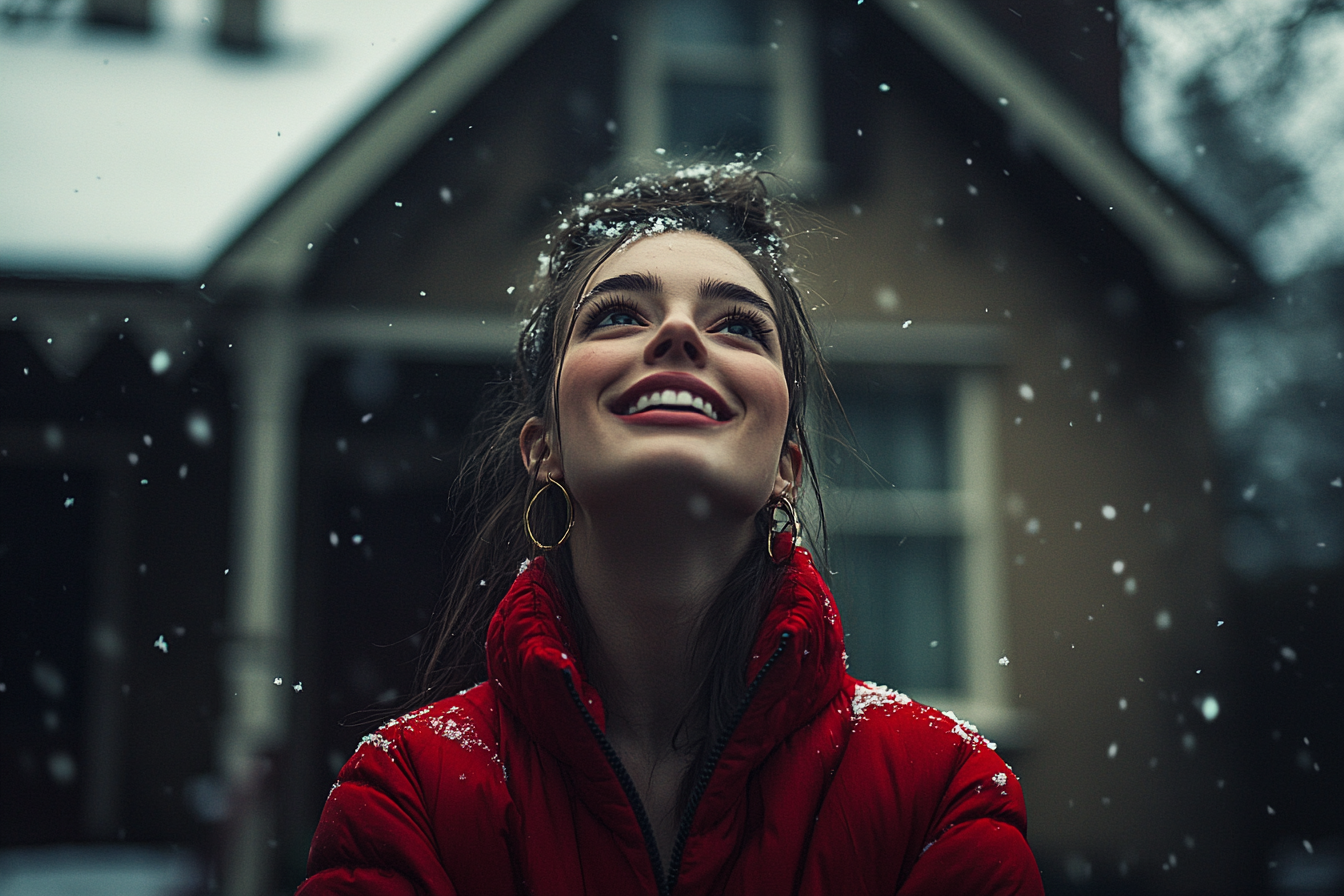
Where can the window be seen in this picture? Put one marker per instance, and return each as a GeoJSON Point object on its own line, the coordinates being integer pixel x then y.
{"type": "Point", "coordinates": [723, 77]}
{"type": "Point", "coordinates": [915, 542]}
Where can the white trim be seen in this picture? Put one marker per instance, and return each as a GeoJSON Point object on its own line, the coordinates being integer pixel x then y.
{"type": "Point", "coordinates": [976, 439]}
{"type": "Point", "coordinates": [968, 509]}
{"type": "Point", "coordinates": [272, 259]}
{"type": "Point", "coordinates": [641, 74]}
{"type": "Point", "coordinates": [882, 342]}
{"type": "Point", "coordinates": [784, 65]}
{"type": "Point", "coordinates": [1186, 257]}
{"type": "Point", "coordinates": [873, 511]}
{"type": "Point", "coordinates": [78, 323]}
{"type": "Point", "coordinates": [796, 119]}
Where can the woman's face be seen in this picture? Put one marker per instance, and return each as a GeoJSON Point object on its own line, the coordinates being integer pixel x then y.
{"type": "Point", "coordinates": [672, 385]}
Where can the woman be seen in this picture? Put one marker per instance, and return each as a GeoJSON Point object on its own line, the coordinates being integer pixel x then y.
{"type": "Point", "coordinates": [665, 706]}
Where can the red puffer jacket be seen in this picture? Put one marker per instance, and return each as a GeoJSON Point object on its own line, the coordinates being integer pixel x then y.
{"type": "Point", "coordinates": [826, 785]}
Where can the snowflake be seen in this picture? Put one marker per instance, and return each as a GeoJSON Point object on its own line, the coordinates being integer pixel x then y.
{"type": "Point", "coordinates": [379, 741]}
{"type": "Point", "coordinates": [869, 694]}
{"type": "Point", "coordinates": [968, 732]}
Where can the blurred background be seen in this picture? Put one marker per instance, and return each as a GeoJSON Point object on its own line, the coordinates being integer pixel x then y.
{"type": "Point", "coordinates": [1078, 269]}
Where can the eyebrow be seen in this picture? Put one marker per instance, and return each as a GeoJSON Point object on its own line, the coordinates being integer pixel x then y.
{"type": "Point", "coordinates": [733, 292]}
{"type": "Point", "coordinates": [710, 289]}
{"type": "Point", "coordinates": [626, 283]}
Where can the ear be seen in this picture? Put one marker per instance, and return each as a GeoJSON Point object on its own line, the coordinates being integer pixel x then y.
{"type": "Point", "coordinates": [790, 473]}
{"type": "Point", "coordinates": [534, 442]}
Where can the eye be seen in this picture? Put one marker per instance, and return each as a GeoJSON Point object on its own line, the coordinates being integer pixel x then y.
{"type": "Point", "coordinates": [746, 324]}
{"type": "Point", "coordinates": [619, 317]}
{"type": "Point", "coordinates": [610, 312]}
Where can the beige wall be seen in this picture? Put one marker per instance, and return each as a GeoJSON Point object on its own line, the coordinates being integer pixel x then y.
{"type": "Point", "coordinates": [1080, 642]}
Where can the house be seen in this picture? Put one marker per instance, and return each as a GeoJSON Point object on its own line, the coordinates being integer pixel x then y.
{"type": "Point", "coordinates": [1005, 296]}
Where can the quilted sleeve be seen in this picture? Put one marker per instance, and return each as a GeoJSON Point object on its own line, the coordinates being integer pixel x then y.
{"type": "Point", "coordinates": [977, 840]}
{"type": "Point", "coordinates": [374, 837]}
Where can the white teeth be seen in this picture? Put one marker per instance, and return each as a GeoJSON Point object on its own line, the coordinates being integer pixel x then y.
{"type": "Point", "coordinates": [672, 398]}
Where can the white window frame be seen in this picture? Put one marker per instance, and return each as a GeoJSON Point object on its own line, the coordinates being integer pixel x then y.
{"type": "Point", "coordinates": [785, 65]}
{"type": "Point", "coordinates": [968, 357]}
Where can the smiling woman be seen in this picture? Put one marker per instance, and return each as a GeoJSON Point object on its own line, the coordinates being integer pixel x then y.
{"type": "Point", "coordinates": [663, 703]}
{"type": "Point", "coordinates": [663, 327]}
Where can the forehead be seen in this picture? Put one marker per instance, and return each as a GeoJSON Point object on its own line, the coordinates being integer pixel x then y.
{"type": "Point", "coordinates": [681, 255]}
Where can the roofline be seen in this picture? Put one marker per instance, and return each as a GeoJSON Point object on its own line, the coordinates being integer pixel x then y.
{"type": "Point", "coordinates": [1186, 257]}
{"type": "Point", "coordinates": [272, 258]}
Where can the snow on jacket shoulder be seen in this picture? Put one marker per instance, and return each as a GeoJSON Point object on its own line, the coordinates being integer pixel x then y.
{"type": "Point", "coordinates": [827, 785]}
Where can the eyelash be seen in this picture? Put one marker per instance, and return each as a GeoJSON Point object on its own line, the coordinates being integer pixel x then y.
{"type": "Point", "coordinates": [755, 320]}
{"type": "Point", "coordinates": [603, 307]}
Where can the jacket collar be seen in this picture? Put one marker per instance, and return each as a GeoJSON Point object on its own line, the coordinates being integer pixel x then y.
{"type": "Point", "coordinates": [530, 649]}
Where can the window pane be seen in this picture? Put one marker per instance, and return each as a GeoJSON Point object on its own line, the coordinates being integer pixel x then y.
{"type": "Point", "coordinates": [899, 600]}
{"type": "Point", "coordinates": [711, 21]}
{"type": "Point", "coordinates": [719, 117]}
{"type": "Point", "coordinates": [900, 428]}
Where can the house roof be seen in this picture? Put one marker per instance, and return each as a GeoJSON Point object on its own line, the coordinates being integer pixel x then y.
{"type": "Point", "coordinates": [216, 197]}
{"type": "Point", "coordinates": [1184, 254]}
{"type": "Point", "coordinates": [273, 258]}
{"type": "Point", "coordinates": [145, 156]}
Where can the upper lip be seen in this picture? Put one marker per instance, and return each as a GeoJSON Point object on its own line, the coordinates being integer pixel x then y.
{"type": "Point", "coordinates": [677, 382]}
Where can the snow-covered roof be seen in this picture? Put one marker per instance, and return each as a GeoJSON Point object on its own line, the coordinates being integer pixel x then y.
{"type": "Point", "coordinates": [146, 156]}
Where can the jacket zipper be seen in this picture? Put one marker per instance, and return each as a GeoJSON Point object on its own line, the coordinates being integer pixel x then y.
{"type": "Point", "coordinates": [712, 760]}
{"type": "Point", "coordinates": [666, 881]}
{"type": "Point", "coordinates": [650, 842]}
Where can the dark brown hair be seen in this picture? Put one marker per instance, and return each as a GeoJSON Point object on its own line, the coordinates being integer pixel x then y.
{"type": "Point", "coordinates": [729, 202]}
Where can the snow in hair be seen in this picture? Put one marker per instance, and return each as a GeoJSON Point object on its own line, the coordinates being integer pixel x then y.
{"type": "Point", "coordinates": [725, 200]}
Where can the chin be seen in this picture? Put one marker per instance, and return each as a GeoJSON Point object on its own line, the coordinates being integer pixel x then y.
{"type": "Point", "coordinates": [668, 484]}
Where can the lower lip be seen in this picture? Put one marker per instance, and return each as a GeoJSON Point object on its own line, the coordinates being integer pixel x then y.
{"type": "Point", "coordinates": [669, 418]}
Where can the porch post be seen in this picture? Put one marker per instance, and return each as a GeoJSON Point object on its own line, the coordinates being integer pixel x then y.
{"type": "Point", "coordinates": [269, 368]}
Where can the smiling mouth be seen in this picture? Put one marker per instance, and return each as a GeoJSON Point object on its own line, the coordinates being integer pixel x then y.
{"type": "Point", "coordinates": [673, 400]}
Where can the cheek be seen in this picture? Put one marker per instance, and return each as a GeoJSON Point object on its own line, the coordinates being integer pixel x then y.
{"type": "Point", "coordinates": [581, 379]}
{"type": "Point", "coordinates": [772, 397]}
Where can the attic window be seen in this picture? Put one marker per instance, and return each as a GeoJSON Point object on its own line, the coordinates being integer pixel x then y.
{"type": "Point", "coordinates": [720, 77]}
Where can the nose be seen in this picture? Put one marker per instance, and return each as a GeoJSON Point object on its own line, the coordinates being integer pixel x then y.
{"type": "Point", "coordinates": [676, 338]}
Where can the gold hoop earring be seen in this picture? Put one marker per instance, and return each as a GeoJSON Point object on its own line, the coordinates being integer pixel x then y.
{"type": "Point", "coordinates": [569, 516]}
{"type": "Point", "coordinates": [779, 551]}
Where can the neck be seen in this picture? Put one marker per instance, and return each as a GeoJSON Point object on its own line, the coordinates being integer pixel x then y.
{"type": "Point", "coordinates": [646, 585]}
